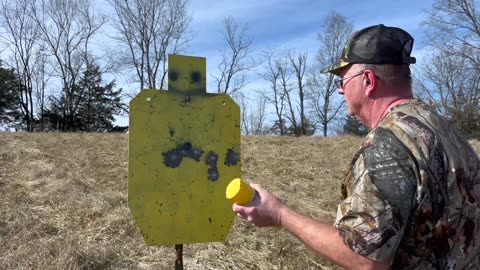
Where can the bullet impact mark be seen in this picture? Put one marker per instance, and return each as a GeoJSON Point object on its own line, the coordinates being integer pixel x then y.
{"type": "Point", "coordinates": [231, 158]}
{"type": "Point", "coordinates": [196, 77]}
{"type": "Point", "coordinates": [173, 158]}
{"type": "Point", "coordinates": [213, 174]}
{"type": "Point", "coordinates": [173, 75]}
{"type": "Point", "coordinates": [211, 160]}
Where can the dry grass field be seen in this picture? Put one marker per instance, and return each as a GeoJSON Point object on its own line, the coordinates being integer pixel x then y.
{"type": "Point", "coordinates": [63, 203]}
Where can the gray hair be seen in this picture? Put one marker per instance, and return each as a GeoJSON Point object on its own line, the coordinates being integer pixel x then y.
{"type": "Point", "coordinates": [390, 73]}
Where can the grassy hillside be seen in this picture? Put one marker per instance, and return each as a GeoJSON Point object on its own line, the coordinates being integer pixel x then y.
{"type": "Point", "coordinates": [63, 203]}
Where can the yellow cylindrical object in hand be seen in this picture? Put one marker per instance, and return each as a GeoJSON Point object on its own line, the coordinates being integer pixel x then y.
{"type": "Point", "coordinates": [240, 192]}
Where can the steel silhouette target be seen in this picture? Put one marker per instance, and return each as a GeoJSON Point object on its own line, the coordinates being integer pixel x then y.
{"type": "Point", "coordinates": [184, 148]}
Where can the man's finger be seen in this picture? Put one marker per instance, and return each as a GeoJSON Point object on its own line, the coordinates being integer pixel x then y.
{"type": "Point", "coordinates": [237, 208]}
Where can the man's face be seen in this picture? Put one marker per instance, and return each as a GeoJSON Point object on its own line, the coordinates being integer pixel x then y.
{"type": "Point", "coordinates": [352, 88]}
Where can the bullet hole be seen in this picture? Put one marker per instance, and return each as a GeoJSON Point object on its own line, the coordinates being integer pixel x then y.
{"type": "Point", "coordinates": [211, 160]}
{"type": "Point", "coordinates": [172, 132]}
{"type": "Point", "coordinates": [187, 146]}
{"type": "Point", "coordinates": [194, 153]}
{"type": "Point", "coordinates": [173, 75]}
{"type": "Point", "coordinates": [174, 157]}
{"type": "Point", "coordinates": [213, 174]}
{"type": "Point", "coordinates": [231, 158]}
{"type": "Point", "coordinates": [196, 77]}
{"type": "Point", "coordinates": [210, 220]}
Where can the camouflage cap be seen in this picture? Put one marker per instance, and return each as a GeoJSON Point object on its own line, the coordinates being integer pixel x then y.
{"type": "Point", "coordinates": [378, 44]}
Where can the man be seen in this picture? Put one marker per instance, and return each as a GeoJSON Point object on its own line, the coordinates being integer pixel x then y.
{"type": "Point", "coordinates": [411, 198]}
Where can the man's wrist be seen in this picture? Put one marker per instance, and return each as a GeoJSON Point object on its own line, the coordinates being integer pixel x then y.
{"type": "Point", "coordinates": [280, 215]}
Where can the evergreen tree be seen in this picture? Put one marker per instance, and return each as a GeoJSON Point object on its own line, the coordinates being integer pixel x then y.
{"type": "Point", "coordinates": [100, 103]}
{"type": "Point", "coordinates": [307, 130]}
{"type": "Point", "coordinates": [354, 127]}
{"type": "Point", "coordinates": [96, 106]}
{"type": "Point", "coordinates": [10, 107]}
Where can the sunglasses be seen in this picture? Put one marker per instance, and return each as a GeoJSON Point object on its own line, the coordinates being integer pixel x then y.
{"type": "Point", "coordinates": [340, 83]}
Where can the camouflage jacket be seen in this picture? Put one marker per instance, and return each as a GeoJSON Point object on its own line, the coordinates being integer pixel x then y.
{"type": "Point", "coordinates": [412, 195]}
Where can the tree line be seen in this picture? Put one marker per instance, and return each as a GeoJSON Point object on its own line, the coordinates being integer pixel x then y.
{"type": "Point", "coordinates": [53, 80]}
{"type": "Point", "coordinates": [51, 74]}
{"type": "Point", "coordinates": [305, 101]}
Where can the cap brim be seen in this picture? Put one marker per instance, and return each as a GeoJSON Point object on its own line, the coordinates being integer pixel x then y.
{"type": "Point", "coordinates": [335, 68]}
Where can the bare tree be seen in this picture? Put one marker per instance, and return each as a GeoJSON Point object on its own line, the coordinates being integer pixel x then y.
{"type": "Point", "coordinates": [450, 74]}
{"type": "Point", "coordinates": [299, 64]}
{"type": "Point", "coordinates": [243, 102]}
{"type": "Point", "coordinates": [257, 116]}
{"type": "Point", "coordinates": [286, 74]}
{"type": "Point", "coordinates": [235, 61]}
{"type": "Point", "coordinates": [66, 29]}
{"type": "Point", "coordinates": [452, 88]}
{"type": "Point", "coordinates": [150, 30]}
{"type": "Point", "coordinates": [275, 96]}
{"type": "Point", "coordinates": [253, 117]}
{"type": "Point", "coordinates": [41, 78]}
{"type": "Point", "coordinates": [454, 28]}
{"type": "Point", "coordinates": [20, 36]}
{"type": "Point", "coordinates": [322, 102]}
{"type": "Point", "coordinates": [291, 68]}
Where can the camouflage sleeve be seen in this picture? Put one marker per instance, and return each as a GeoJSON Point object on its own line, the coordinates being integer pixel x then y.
{"type": "Point", "coordinates": [381, 195]}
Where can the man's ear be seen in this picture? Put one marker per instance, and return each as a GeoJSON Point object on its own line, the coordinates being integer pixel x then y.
{"type": "Point", "coordinates": [370, 83]}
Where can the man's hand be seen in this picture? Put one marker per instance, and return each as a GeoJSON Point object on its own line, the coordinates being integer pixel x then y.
{"type": "Point", "coordinates": [264, 211]}
{"type": "Point", "coordinates": [321, 236]}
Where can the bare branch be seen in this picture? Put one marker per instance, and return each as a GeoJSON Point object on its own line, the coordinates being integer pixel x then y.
{"type": "Point", "coordinates": [21, 36]}
{"type": "Point", "coordinates": [322, 99]}
{"type": "Point", "coordinates": [150, 30]}
{"type": "Point", "coordinates": [66, 29]}
{"type": "Point", "coordinates": [450, 75]}
{"type": "Point", "coordinates": [235, 61]}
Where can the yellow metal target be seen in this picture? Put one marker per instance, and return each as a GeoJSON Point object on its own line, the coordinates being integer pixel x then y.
{"type": "Point", "coordinates": [184, 148]}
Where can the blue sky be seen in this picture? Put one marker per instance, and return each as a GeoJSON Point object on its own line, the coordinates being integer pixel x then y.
{"type": "Point", "coordinates": [293, 24]}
